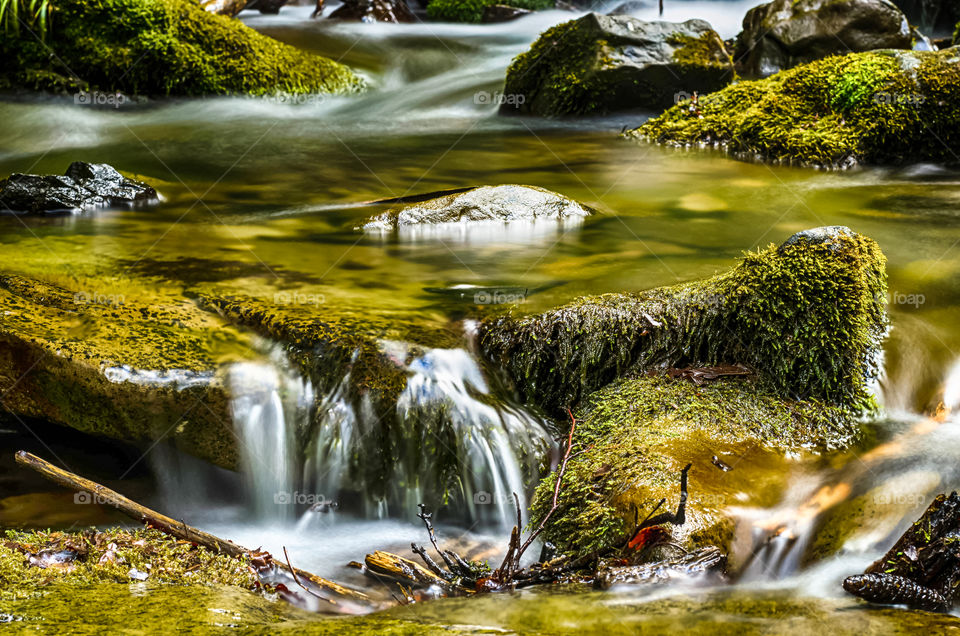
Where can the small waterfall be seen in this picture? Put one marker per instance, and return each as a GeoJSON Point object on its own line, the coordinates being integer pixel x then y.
{"type": "Point", "coordinates": [446, 417]}
{"type": "Point", "coordinates": [448, 443]}
{"type": "Point", "coordinates": [269, 402]}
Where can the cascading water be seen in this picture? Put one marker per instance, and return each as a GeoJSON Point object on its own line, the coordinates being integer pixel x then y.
{"type": "Point", "coordinates": [268, 404]}
{"type": "Point", "coordinates": [445, 410]}
{"type": "Point", "coordinates": [459, 447]}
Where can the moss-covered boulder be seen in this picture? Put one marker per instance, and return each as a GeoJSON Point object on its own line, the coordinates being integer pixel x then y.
{"type": "Point", "coordinates": [159, 47]}
{"type": "Point", "coordinates": [881, 107]}
{"type": "Point", "coordinates": [599, 63]}
{"type": "Point", "coordinates": [109, 365]}
{"type": "Point", "coordinates": [473, 10]}
{"type": "Point", "coordinates": [784, 33]}
{"type": "Point", "coordinates": [484, 203]}
{"type": "Point", "coordinates": [806, 318]}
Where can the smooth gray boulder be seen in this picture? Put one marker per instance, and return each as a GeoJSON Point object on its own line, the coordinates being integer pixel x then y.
{"type": "Point", "coordinates": [485, 203]}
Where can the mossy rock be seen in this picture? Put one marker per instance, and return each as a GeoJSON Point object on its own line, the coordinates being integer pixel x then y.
{"type": "Point", "coordinates": [881, 107]}
{"type": "Point", "coordinates": [807, 317]}
{"type": "Point", "coordinates": [472, 10]}
{"type": "Point", "coordinates": [599, 64]}
{"type": "Point", "coordinates": [634, 437]}
{"type": "Point", "coordinates": [113, 366]}
{"type": "Point", "coordinates": [161, 47]}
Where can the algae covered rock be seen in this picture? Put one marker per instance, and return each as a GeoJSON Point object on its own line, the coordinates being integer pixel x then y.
{"type": "Point", "coordinates": [807, 317]}
{"type": "Point", "coordinates": [485, 203]}
{"type": "Point", "coordinates": [599, 63]}
{"type": "Point", "coordinates": [161, 47]}
{"type": "Point", "coordinates": [83, 187]}
{"type": "Point", "coordinates": [109, 365]}
{"type": "Point", "coordinates": [881, 107]}
{"type": "Point", "coordinates": [473, 10]}
{"type": "Point", "coordinates": [785, 33]}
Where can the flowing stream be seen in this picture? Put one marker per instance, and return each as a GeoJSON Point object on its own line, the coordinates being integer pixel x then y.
{"type": "Point", "coordinates": [261, 197]}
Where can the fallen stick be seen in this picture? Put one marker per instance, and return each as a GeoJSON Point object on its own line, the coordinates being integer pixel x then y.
{"type": "Point", "coordinates": [382, 564]}
{"type": "Point", "coordinates": [167, 525]}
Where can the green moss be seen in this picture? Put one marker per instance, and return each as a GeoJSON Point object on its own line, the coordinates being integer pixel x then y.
{"type": "Point", "coordinates": [472, 10]}
{"type": "Point", "coordinates": [108, 557]}
{"type": "Point", "coordinates": [807, 317]}
{"type": "Point", "coordinates": [876, 107]}
{"type": "Point", "coordinates": [575, 68]}
{"type": "Point", "coordinates": [162, 47]}
{"type": "Point", "coordinates": [60, 349]}
{"type": "Point", "coordinates": [634, 437]}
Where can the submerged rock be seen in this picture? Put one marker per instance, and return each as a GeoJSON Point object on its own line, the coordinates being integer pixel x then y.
{"type": "Point", "coordinates": [374, 11]}
{"type": "Point", "coordinates": [161, 47]}
{"type": "Point", "coordinates": [881, 107]}
{"type": "Point", "coordinates": [786, 33]}
{"type": "Point", "coordinates": [807, 318]}
{"type": "Point", "coordinates": [484, 203]}
{"type": "Point", "coordinates": [599, 64]}
{"type": "Point", "coordinates": [84, 186]}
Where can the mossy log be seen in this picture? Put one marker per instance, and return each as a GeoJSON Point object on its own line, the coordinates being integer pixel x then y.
{"type": "Point", "coordinates": [101, 494]}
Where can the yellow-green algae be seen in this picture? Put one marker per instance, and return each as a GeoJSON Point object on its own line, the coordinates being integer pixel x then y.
{"type": "Point", "coordinates": [570, 71]}
{"type": "Point", "coordinates": [875, 107]}
{"type": "Point", "coordinates": [806, 316]}
{"type": "Point", "coordinates": [109, 556]}
{"type": "Point", "coordinates": [160, 47]}
{"type": "Point", "coordinates": [58, 346]}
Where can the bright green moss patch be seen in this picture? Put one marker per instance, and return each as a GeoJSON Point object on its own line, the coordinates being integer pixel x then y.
{"type": "Point", "coordinates": [30, 562]}
{"type": "Point", "coordinates": [472, 10]}
{"type": "Point", "coordinates": [876, 107]}
{"type": "Point", "coordinates": [162, 47]}
{"type": "Point", "coordinates": [807, 316]}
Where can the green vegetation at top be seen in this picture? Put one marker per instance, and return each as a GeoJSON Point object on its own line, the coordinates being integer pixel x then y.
{"type": "Point", "coordinates": [886, 107]}
{"type": "Point", "coordinates": [158, 47]}
{"type": "Point", "coordinates": [472, 10]}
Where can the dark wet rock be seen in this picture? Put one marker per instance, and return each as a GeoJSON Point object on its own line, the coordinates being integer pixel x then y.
{"type": "Point", "coordinates": [598, 64]}
{"type": "Point", "coordinates": [786, 33]}
{"type": "Point", "coordinates": [502, 13]}
{"type": "Point", "coordinates": [270, 7]}
{"type": "Point", "coordinates": [484, 203]}
{"type": "Point", "coordinates": [922, 570]}
{"type": "Point", "coordinates": [880, 107]}
{"type": "Point", "coordinates": [374, 11]}
{"type": "Point", "coordinates": [630, 7]}
{"type": "Point", "coordinates": [618, 361]}
{"type": "Point", "coordinates": [84, 186]}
